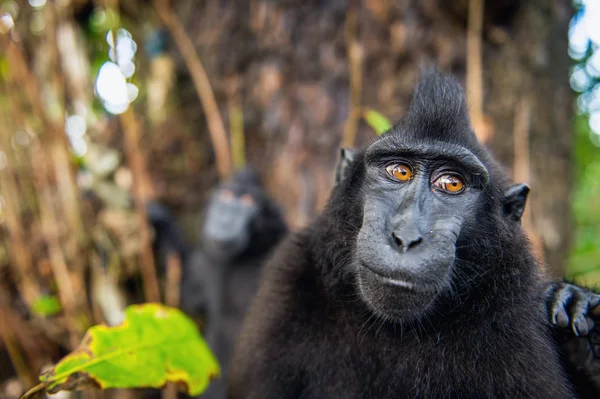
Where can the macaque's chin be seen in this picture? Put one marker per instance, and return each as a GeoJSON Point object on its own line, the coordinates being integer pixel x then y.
{"type": "Point", "coordinates": [394, 298]}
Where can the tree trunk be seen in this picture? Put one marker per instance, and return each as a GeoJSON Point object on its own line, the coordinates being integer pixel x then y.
{"type": "Point", "coordinates": [292, 61]}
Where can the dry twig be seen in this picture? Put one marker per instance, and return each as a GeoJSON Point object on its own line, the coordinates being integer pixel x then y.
{"type": "Point", "coordinates": [142, 191]}
{"type": "Point", "coordinates": [522, 166]}
{"type": "Point", "coordinates": [51, 156]}
{"type": "Point", "coordinates": [236, 123]}
{"type": "Point", "coordinates": [173, 280]}
{"type": "Point", "coordinates": [482, 128]}
{"type": "Point", "coordinates": [216, 126]}
{"type": "Point", "coordinates": [8, 337]}
{"type": "Point", "coordinates": [172, 294]}
{"type": "Point", "coordinates": [22, 261]}
{"type": "Point", "coordinates": [355, 61]}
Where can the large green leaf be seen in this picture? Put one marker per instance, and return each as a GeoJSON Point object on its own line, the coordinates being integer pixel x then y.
{"type": "Point", "coordinates": [377, 121]}
{"type": "Point", "coordinates": [154, 345]}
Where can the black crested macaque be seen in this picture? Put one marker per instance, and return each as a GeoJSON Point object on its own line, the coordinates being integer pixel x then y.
{"type": "Point", "coordinates": [574, 311]}
{"type": "Point", "coordinates": [241, 227]}
{"type": "Point", "coordinates": [411, 283]}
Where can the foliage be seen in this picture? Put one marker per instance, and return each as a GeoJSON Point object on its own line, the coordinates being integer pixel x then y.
{"type": "Point", "coordinates": [377, 121]}
{"type": "Point", "coordinates": [584, 263]}
{"type": "Point", "coordinates": [46, 305]}
{"type": "Point", "coordinates": [155, 344]}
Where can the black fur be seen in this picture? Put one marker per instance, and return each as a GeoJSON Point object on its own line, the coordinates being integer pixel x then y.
{"type": "Point", "coordinates": [310, 333]}
{"type": "Point", "coordinates": [168, 236]}
{"type": "Point", "coordinates": [575, 314]}
{"type": "Point", "coordinates": [223, 274]}
{"type": "Point", "coordinates": [515, 199]}
{"type": "Point", "coordinates": [342, 169]}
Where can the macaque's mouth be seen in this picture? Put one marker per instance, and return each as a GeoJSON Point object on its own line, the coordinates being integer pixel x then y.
{"type": "Point", "coordinates": [397, 281]}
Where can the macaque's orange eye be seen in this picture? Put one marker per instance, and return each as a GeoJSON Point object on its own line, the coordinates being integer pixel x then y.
{"type": "Point", "coordinates": [226, 196]}
{"type": "Point", "coordinates": [247, 200]}
{"type": "Point", "coordinates": [400, 171]}
{"type": "Point", "coordinates": [450, 184]}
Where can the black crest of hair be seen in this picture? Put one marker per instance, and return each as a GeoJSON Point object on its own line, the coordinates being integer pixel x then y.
{"type": "Point", "coordinates": [450, 304]}
{"type": "Point", "coordinates": [438, 108]}
{"type": "Point", "coordinates": [241, 227]}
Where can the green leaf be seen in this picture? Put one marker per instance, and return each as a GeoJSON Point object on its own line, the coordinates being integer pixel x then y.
{"type": "Point", "coordinates": [4, 68]}
{"type": "Point", "coordinates": [46, 305]}
{"type": "Point", "coordinates": [377, 121]}
{"type": "Point", "coordinates": [155, 344]}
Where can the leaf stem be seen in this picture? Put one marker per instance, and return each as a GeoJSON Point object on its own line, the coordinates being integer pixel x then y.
{"type": "Point", "coordinates": [34, 391]}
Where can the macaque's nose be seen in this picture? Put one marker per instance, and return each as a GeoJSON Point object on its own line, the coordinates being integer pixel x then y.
{"type": "Point", "coordinates": [405, 242]}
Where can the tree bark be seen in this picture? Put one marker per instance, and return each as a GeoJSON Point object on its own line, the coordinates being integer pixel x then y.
{"type": "Point", "coordinates": [291, 61]}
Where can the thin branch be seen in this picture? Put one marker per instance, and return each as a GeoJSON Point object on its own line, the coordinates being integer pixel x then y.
{"type": "Point", "coordinates": [522, 166]}
{"type": "Point", "coordinates": [35, 391]}
{"type": "Point", "coordinates": [216, 126]}
{"type": "Point", "coordinates": [474, 70]}
{"type": "Point", "coordinates": [236, 123]}
{"type": "Point", "coordinates": [54, 154]}
{"type": "Point", "coordinates": [20, 72]}
{"type": "Point", "coordinates": [65, 174]}
{"type": "Point", "coordinates": [172, 295]}
{"type": "Point", "coordinates": [521, 163]}
{"type": "Point", "coordinates": [51, 155]}
{"type": "Point", "coordinates": [142, 191]}
{"type": "Point", "coordinates": [355, 62]}
{"type": "Point", "coordinates": [7, 335]}
{"type": "Point", "coordinates": [21, 257]}
{"type": "Point", "coordinates": [60, 270]}
{"type": "Point", "coordinates": [19, 252]}
{"type": "Point", "coordinates": [169, 391]}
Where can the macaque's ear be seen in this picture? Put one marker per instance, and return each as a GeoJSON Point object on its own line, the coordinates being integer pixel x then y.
{"type": "Point", "coordinates": [347, 156]}
{"type": "Point", "coordinates": [514, 201]}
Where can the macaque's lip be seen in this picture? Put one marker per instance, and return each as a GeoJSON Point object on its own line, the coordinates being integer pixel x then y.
{"type": "Point", "coordinates": [399, 283]}
{"type": "Point", "coordinates": [405, 284]}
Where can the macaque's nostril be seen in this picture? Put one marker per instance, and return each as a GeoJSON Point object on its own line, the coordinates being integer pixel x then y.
{"type": "Point", "coordinates": [397, 240]}
{"type": "Point", "coordinates": [414, 243]}
{"type": "Point", "coordinates": [405, 245]}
